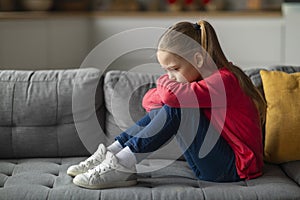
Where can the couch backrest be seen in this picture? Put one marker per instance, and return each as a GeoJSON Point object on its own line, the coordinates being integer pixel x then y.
{"type": "Point", "coordinates": [40, 110]}
{"type": "Point", "coordinates": [36, 112]}
{"type": "Point", "coordinates": [254, 75]}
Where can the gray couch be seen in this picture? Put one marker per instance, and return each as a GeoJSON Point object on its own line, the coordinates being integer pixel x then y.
{"type": "Point", "coordinates": [50, 120]}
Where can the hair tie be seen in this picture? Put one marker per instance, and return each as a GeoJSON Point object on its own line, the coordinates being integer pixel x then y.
{"type": "Point", "coordinates": [197, 26]}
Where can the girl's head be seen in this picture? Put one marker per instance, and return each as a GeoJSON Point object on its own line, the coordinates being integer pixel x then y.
{"type": "Point", "coordinates": [196, 43]}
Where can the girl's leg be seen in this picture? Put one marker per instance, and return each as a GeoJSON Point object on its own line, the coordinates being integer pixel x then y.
{"type": "Point", "coordinates": [162, 125]}
{"type": "Point", "coordinates": [137, 127]}
{"type": "Point", "coordinates": [191, 132]}
{"type": "Point", "coordinates": [218, 163]}
{"type": "Point", "coordinates": [194, 132]}
{"type": "Point", "coordinates": [117, 146]}
{"type": "Point", "coordinates": [119, 169]}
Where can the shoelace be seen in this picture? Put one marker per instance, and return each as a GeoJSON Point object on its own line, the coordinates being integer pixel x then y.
{"type": "Point", "coordinates": [104, 166]}
{"type": "Point", "coordinates": [92, 160]}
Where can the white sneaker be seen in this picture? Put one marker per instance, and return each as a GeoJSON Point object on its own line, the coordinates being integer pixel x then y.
{"type": "Point", "coordinates": [89, 163]}
{"type": "Point", "coordinates": [108, 174]}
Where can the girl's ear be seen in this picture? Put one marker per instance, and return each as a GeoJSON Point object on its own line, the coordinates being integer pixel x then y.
{"type": "Point", "coordinates": [198, 59]}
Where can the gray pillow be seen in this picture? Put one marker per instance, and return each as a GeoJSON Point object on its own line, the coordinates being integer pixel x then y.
{"type": "Point", "coordinates": [124, 92]}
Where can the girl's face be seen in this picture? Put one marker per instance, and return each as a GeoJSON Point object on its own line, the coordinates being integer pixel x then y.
{"type": "Point", "coordinates": [177, 68]}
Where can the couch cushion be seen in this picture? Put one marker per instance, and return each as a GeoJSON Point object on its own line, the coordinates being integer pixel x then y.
{"type": "Point", "coordinates": [47, 179]}
{"type": "Point", "coordinates": [124, 92]}
{"type": "Point", "coordinates": [282, 92]}
{"type": "Point", "coordinates": [255, 77]}
{"type": "Point", "coordinates": [292, 169]}
{"type": "Point", "coordinates": [37, 115]}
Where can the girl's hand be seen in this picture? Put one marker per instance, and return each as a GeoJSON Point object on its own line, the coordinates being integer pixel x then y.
{"type": "Point", "coordinates": [164, 90]}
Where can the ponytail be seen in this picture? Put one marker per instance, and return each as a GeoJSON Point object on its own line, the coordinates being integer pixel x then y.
{"type": "Point", "coordinates": [210, 43]}
{"type": "Point", "coordinates": [203, 34]}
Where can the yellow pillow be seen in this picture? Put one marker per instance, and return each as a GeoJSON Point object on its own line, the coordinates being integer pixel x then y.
{"type": "Point", "coordinates": [282, 137]}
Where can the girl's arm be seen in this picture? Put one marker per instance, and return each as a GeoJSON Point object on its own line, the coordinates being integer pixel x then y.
{"type": "Point", "coordinates": [152, 100]}
{"type": "Point", "coordinates": [204, 93]}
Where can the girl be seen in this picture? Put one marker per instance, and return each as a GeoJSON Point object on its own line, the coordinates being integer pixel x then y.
{"type": "Point", "coordinates": [207, 103]}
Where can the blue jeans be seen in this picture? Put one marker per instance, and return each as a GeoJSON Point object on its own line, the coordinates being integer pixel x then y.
{"type": "Point", "coordinates": [210, 158]}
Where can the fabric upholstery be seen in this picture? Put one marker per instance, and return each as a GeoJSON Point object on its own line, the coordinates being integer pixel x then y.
{"type": "Point", "coordinates": [282, 137]}
{"type": "Point", "coordinates": [254, 75]}
{"type": "Point", "coordinates": [119, 87]}
{"type": "Point", "coordinates": [26, 132]}
{"type": "Point", "coordinates": [36, 117]}
{"type": "Point", "coordinates": [292, 170]}
{"type": "Point", "coordinates": [38, 178]}
{"type": "Point", "coordinates": [123, 93]}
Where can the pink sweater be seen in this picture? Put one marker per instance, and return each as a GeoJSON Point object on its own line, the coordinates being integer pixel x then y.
{"type": "Point", "coordinates": [229, 109]}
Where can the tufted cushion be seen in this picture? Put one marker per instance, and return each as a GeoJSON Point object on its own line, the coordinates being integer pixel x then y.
{"type": "Point", "coordinates": [47, 179]}
{"type": "Point", "coordinates": [36, 113]}
{"type": "Point", "coordinates": [123, 93]}
{"type": "Point", "coordinates": [292, 169]}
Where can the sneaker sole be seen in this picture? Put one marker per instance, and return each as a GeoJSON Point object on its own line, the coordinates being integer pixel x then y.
{"type": "Point", "coordinates": [74, 173]}
{"type": "Point", "coordinates": [108, 185]}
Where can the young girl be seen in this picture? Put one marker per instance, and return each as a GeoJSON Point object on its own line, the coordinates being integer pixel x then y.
{"type": "Point", "coordinates": [202, 99]}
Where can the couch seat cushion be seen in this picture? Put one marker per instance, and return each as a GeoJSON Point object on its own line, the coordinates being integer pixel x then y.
{"type": "Point", "coordinates": [47, 179]}
{"type": "Point", "coordinates": [292, 169]}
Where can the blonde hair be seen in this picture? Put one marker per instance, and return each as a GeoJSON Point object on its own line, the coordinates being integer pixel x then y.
{"type": "Point", "coordinates": [204, 34]}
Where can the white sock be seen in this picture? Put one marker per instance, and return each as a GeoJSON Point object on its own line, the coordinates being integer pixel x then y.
{"type": "Point", "coordinates": [115, 147]}
{"type": "Point", "coordinates": [126, 158]}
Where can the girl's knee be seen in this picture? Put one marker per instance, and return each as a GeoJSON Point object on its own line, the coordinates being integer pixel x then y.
{"type": "Point", "coordinates": [172, 109]}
